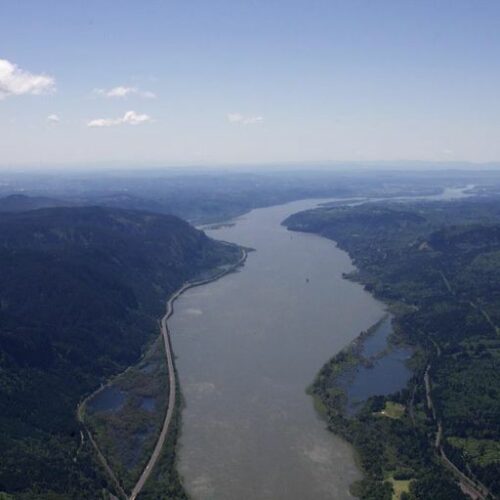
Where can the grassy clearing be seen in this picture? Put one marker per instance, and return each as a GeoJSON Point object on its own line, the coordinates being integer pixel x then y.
{"type": "Point", "coordinates": [482, 452]}
{"type": "Point", "coordinates": [400, 486]}
{"type": "Point", "coordinates": [392, 410]}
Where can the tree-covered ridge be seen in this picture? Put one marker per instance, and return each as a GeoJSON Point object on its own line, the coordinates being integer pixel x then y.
{"type": "Point", "coordinates": [23, 203]}
{"type": "Point", "coordinates": [80, 292]}
{"type": "Point", "coordinates": [437, 264]}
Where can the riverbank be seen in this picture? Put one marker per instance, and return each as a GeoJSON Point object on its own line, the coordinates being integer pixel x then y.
{"type": "Point", "coordinates": [436, 261]}
{"type": "Point", "coordinates": [172, 410]}
{"type": "Point", "coordinates": [381, 403]}
{"type": "Point", "coordinates": [360, 364]}
{"type": "Point", "coordinates": [171, 370]}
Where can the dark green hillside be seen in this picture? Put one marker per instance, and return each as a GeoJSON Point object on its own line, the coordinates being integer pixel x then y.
{"type": "Point", "coordinates": [80, 292]}
{"type": "Point", "coordinates": [438, 266]}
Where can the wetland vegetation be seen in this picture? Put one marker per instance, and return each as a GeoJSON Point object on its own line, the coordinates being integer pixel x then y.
{"type": "Point", "coordinates": [125, 417]}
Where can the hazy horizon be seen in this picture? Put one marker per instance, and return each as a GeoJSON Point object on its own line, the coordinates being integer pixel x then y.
{"type": "Point", "coordinates": [340, 167]}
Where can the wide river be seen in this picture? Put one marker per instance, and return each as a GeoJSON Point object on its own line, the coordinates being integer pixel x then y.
{"type": "Point", "coordinates": [247, 346]}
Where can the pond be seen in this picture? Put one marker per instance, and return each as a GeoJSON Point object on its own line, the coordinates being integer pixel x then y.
{"type": "Point", "coordinates": [109, 399]}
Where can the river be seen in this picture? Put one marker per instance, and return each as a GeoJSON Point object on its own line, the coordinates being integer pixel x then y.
{"type": "Point", "coordinates": [247, 346]}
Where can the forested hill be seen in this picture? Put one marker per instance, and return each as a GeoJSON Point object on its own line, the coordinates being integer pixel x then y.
{"type": "Point", "coordinates": [80, 292]}
{"type": "Point", "coordinates": [23, 203]}
{"type": "Point", "coordinates": [438, 266]}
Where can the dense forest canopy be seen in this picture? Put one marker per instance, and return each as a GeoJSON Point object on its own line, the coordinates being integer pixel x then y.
{"type": "Point", "coordinates": [80, 293]}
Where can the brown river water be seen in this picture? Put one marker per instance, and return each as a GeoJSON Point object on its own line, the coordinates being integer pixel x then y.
{"type": "Point", "coordinates": [247, 346]}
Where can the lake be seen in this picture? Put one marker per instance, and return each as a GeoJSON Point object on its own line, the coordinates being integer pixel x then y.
{"type": "Point", "coordinates": [247, 346]}
{"type": "Point", "coordinates": [387, 373]}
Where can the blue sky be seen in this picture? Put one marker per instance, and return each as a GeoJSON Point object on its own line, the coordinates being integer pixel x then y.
{"type": "Point", "coordinates": [131, 83]}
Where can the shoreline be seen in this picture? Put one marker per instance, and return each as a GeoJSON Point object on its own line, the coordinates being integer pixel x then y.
{"type": "Point", "coordinates": [165, 334]}
{"type": "Point", "coordinates": [171, 371]}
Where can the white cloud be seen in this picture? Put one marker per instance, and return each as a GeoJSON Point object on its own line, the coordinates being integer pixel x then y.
{"type": "Point", "coordinates": [103, 122]}
{"type": "Point", "coordinates": [121, 91]}
{"type": "Point", "coordinates": [129, 118]}
{"type": "Point", "coordinates": [53, 118]}
{"type": "Point", "coordinates": [15, 81]}
{"type": "Point", "coordinates": [243, 120]}
{"type": "Point", "coordinates": [133, 118]}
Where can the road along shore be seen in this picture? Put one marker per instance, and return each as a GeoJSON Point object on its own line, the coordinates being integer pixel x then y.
{"type": "Point", "coordinates": [171, 371]}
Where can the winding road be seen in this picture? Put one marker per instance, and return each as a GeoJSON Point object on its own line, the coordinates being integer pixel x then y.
{"type": "Point", "coordinates": [171, 373]}
{"type": "Point", "coordinates": [172, 388]}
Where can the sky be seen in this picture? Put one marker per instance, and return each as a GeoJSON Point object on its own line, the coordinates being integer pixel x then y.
{"type": "Point", "coordinates": [227, 82]}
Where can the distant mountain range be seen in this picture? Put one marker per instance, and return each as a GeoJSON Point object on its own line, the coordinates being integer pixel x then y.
{"type": "Point", "coordinates": [23, 203]}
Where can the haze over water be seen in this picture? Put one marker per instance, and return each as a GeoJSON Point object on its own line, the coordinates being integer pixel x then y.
{"type": "Point", "coordinates": [247, 347]}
